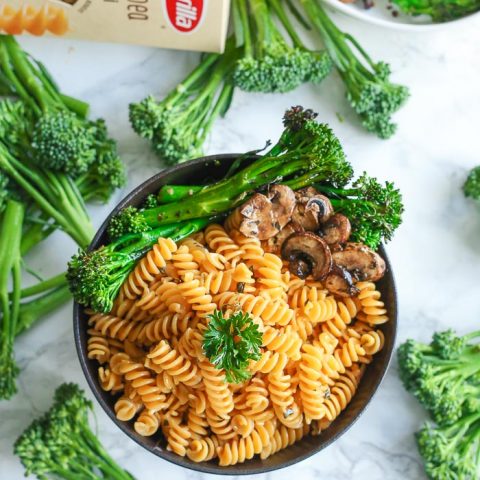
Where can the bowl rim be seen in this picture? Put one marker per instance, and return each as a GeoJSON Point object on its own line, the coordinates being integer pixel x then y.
{"type": "Point", "coordinates": [207, 467]}
{"type": "Point", "coordinates": [362, 16]}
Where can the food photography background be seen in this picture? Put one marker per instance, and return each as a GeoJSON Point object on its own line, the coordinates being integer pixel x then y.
{"type": "Point", "coordinates": [435, 253]}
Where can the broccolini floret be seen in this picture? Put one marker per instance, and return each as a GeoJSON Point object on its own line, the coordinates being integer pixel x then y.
{"type": "Point", "coordinates": [471, 187]}
{"type": "Point", "coordinates": [451, 452]}
{"type": "Point", "coordinates": [61, 444]}
{"type": "Point", "coordinates": [374, 210]}
{"type": "Point", "coordinates": [63, 142]}
{"type": "Point", "coordinates": [270, 64]}
{"type": "Point", "coordinates": [369, 89]}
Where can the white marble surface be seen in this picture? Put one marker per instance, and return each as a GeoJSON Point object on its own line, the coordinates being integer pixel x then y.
{"type": "Point", "coordinates": [435, 254]}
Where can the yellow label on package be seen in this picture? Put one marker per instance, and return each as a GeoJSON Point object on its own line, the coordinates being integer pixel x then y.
{"type": "Point", "coordinates": [182, 24]}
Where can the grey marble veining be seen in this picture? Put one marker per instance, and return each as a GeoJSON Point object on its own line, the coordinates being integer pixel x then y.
{"type": "Point", "coordinates": [435, 254]}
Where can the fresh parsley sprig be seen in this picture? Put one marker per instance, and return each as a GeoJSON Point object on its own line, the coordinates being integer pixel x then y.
{"type": "Point", "coordinates": [230, 343]}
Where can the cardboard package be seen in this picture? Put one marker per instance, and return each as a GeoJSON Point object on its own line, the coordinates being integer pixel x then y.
{"type": "Point", "coordinates": [181, 24]}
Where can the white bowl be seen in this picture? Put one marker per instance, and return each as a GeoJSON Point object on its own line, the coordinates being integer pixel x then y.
{"type": "Point", "coordinates": [380, 15]}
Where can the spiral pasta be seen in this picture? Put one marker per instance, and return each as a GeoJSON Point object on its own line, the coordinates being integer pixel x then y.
{"type": "Point", "coordinates": [220, 242]}
{"type": "Point", "coordinates": [373, 309]}
{"type": "Point", "coordinates": [173, 363]}
{"type": "Point", "coordinates": [315, 348]}
{"type": "Point", "coordinates": [219, 395]}
{"type": "Point", "coordinates": [239, 450]}
{"type": "Point", "coordinates": [147, 423]}
{"type": "Point", "coordinates": [149, 267]}
{"type": "Point", "coordinates": [36, 21]}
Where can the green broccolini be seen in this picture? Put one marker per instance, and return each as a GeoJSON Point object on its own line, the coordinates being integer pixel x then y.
{"type": "Point", "coordinates": [471, 187]}
{"type": "Point", "coordinates": [230, 342]}
{"type": "Point", "coordinates": [451, 452]}
{"type": "Point", "coordinates": [369, 89]}
{"type": "Point", "coordinates": [61, 444]}
{"type": "Point", "coordinates": [439, 10]}
{"type": "Point", "coordinates": [444, 376]}
{"type": "Point", "coordinates": [270, 64]}
{"type": "Point", "coordinates": [305, 148]}
{"type": "Point", "coordinates": [60, 137]}
{"type": "Point", "coordinates": [178, 125]}
{"type": "Point", "coordinates": [10, 271]}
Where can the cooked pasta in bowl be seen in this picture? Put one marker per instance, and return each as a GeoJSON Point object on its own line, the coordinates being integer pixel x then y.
{"type": "Point", "coordinates": [248, 345]}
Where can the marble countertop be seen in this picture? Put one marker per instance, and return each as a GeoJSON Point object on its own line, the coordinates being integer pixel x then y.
{"type": "Point", "coordinates": [435, 254]}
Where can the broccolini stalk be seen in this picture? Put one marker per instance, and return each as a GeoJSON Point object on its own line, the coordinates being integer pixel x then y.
{"type": "Point", "coordinates": [178, 125]}
{"type": "Point", "coordinates": [444, 376]}
{"type": "Point", "coordinates": [95, 277]}
{"type": "Point", "coordinates": [439, 10]}
{"type": "Point", "coordinates": [270, 64]}
{"type": "Point", "coordinates": [61, 443]}
{"type": "Point", "coordinates": [32, 311]}
{"type": "Point", "coordinates": [375, 211]}
{"type": "Point", "coordinates": [304, 146]}
{"type": "Point", "coordinates": [369, 90]}
{"type": "Point", "coordinates": [10, 270]}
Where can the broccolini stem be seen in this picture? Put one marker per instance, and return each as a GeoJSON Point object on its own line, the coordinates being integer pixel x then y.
{"type": "Point", "coordinates": [24, 71]}
{"type": "Point", "coordinates": [33, 235]}
{"type": "Point", "coordinates": [242, 8]}
{"type": "Point", "coordinates": [75, 105]}
{"type": "Point", "coordinates": [42, 287]}
{"type": "Point", "coordinates": [228, 193]}
{"type": "Point", "coordinates": [287, 24]}
{"type": "Point", "coordinates": [105, 462]}
{"type": "Point", "coordinates": [38, 308]}
{"type": "Point", "coordinates": [77, 224]}
{"type": "Point", "coordinates": [223, 100]}
{"type": "Point", "coordinates": [9, 74]}
{"type": "Point", "coordinates": [174, 193]}
{"type": "Point", "coordinates": [189, 81]}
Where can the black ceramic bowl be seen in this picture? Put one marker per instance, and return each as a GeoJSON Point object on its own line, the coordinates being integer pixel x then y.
{"type": "Point", "coordinates": [195, 172]}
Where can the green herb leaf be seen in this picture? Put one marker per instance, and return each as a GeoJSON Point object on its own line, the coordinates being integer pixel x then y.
{"type": "Point", "coordinates": [229, 343]}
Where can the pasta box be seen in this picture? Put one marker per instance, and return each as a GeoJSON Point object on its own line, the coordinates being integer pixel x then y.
{"type": "Point", "coordinates": [179, 24]}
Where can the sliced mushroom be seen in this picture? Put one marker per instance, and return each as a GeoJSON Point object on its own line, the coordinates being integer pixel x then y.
{"type": "Point", "coordinates": [312, 209]}
{"type": "Point", "coordinates": [283, 203]}
{"type": "Point", "coordinates": [336, 230]}
{"type": "Point", "coordinates": [340, 282]}
{"type": "Point", "coordinates": [274, 244]}
{"type": "Point", "coordinates": [256, 216]}
{"type": "Point", "coordinates": [307, 254]}
{"type": "Point", "coordinates": [361, 261]}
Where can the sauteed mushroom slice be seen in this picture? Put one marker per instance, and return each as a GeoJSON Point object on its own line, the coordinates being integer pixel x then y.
{"type": "Point", "coordinates": [312, 209]}
{"type": "Point", "coordinates": [361, 261]}
{"type": "Point", "coordinates": [336, 230]}
{"type": "Point", "coordinates": [340, 282]}
{"type": "Point", "coordinates": [257, 218]}
{"type": "Point", "coordinates": [307, 254]}
{"type": "Point", "coordinates": [283, 203]}
{"type": "Point", "coordinates": [274, 244]}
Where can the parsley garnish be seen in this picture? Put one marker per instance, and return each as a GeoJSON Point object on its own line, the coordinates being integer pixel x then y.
{"type": "Point", "coordinates": [229, 343]}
